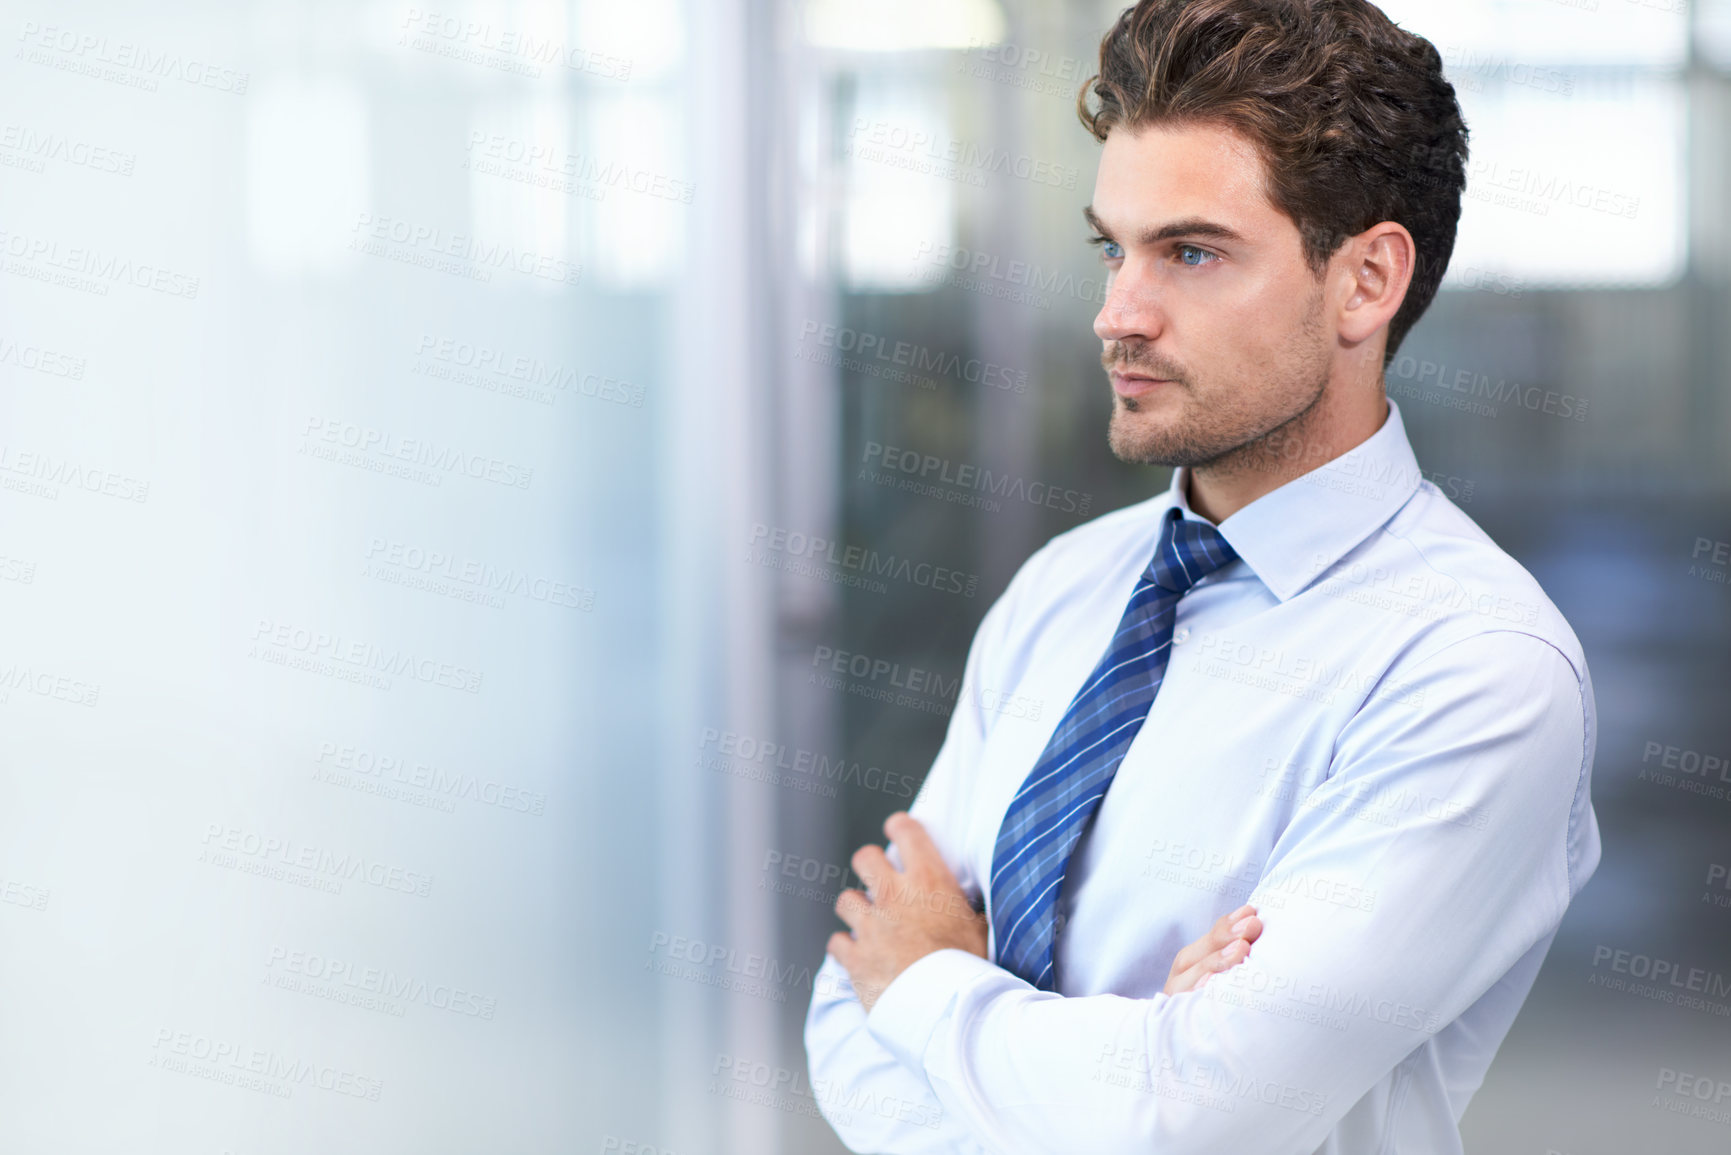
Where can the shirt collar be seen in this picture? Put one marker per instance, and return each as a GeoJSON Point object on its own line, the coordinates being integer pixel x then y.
{"type": "Point", "coordinates": [1294, 533]}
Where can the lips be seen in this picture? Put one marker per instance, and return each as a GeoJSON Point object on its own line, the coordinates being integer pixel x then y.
{"type": "Point", "coordinates": [1137, 385]}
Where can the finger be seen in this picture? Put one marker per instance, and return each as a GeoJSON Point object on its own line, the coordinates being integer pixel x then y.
{"type": "Point", "coordinates": [1240, 923]}
{"type": "Point", "coordinates": [1217, 937]}
{"type": "Point", "coordinates": [1195, 977]}
{"type": "Point", "coordinates": [1195, 952]}
{"type": "Point", "coordinates": [840, 947]}
{"type": "Point", "coordinates": [1248, 929]}
{"type": "Point", "coordinates": [1219, 962]}
{"type": "Point", "coordinates": [919, 853]}
{"type": "Point", "coordinates": [871, 864]}
{"type": "Point", "coordinates": [1214, 963]}
{"type": "Point", "coordinates": [852, 907]}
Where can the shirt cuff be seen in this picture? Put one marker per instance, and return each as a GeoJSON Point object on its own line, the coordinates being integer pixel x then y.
{"type": "Point", "coordinates": [910, 1008]}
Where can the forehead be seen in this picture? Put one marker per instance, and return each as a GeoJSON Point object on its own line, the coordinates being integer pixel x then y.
{"type": "Point", "coordinates": [1157, 173]}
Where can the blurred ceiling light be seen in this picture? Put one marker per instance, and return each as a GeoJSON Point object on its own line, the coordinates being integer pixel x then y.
{"type": "Point", "coordinates": [1491, 36]}
{"type": "Point", "coordinates": [903, 25]}
{"type": "Point", "coordinates": [647, 34]}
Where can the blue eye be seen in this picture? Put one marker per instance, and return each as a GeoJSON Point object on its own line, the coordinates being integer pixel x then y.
{"type": "Point", "coordinates": [1109, 250]}
{"type": "Point", "coordinates": [1203, 256]}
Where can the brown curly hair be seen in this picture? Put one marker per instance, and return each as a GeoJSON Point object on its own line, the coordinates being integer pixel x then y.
{"type": "Point", "coordinates": [1351, 114]}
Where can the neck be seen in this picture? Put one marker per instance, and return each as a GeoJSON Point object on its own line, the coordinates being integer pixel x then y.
{"type": "Point", "coordinates": [1327, 430]}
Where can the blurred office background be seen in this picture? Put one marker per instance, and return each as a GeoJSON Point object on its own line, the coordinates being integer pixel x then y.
{"type": "Point", "coordinates": [440, 685]}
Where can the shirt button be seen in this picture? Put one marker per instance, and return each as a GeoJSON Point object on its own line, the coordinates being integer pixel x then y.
{"type": "Point", "coordinates": [1182, 636]}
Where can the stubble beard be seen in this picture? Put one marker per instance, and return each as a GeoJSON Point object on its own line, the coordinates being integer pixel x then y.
{"type": "Point", "coordinates": [1226, 428]}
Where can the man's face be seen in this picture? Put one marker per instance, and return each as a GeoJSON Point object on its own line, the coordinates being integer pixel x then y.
{"type": "Point", "coordinates": [1214, 323]}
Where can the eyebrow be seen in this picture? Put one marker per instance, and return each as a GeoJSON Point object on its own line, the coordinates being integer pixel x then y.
{"type": "Point", "coordinates": [1189, 227]}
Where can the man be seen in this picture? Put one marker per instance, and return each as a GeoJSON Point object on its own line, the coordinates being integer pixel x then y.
{"type": "Point", "coordinates": [1300, 683]}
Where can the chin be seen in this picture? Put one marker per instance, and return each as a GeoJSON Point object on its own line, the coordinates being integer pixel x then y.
{"type": "Point", "coordinates": [1139, 442]}
{"type": "Point", "coordinates": [1139, 438]}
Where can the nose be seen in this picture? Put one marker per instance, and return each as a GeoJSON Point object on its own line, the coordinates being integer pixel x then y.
{"type": "Point", "coordinates": [1131, 309]}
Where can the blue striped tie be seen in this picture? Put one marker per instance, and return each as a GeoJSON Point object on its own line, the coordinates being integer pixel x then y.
{"type": "Point", "coordinates": [1062, 792]}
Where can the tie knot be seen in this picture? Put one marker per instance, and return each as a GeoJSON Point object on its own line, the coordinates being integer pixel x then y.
{"type": "Point", "coordinates": [1189, 551]}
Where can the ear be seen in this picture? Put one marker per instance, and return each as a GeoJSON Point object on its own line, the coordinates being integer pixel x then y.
{"type": "Point", "coordinates": [1379, 265]}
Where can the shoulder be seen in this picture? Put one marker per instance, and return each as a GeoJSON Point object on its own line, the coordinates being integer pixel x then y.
{"type": "Point", "coordinates": [1088, 552]}
{"type": "Point", "coordinates": [1431, 554]}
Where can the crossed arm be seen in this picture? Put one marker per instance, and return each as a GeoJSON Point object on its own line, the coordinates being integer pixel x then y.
{"type": "Point", "coordinates": [1242, 1063]}
{"type": "Point", "coordinates": [905, 915]}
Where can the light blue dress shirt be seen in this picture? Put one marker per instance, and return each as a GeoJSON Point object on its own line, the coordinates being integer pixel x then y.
{"type": "Point", "coordinates": [1375, 726]}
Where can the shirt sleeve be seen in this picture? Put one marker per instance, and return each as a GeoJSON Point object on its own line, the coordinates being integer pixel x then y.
{"type": "Point", "coordinates": [874, 1102]}
{"type": "Point", "coordinates": [1444, 845]}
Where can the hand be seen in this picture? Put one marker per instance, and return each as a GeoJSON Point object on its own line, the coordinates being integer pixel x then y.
{"type": "Point", "coordinates": [904, 915]}
{"type": "Point", "coordinates": [1221, 949]}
